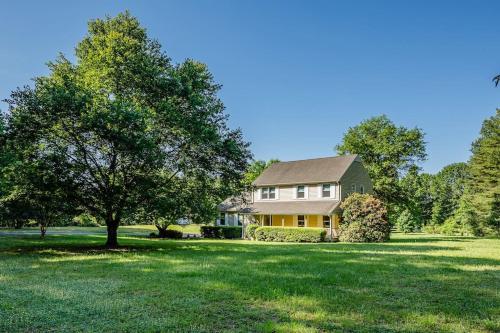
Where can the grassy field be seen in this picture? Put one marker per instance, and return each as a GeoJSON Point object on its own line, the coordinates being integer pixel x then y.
{"type": "Point", "coordinates": [144, 229]}
{"type": "Point", "coordinates": [414, 283]}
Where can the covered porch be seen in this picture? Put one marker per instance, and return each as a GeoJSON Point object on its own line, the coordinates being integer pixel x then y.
{"type": "Point", "coordinates": [328, 222]}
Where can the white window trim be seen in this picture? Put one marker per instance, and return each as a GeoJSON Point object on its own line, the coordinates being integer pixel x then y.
{"type": "Point", "coordinates": [276, 193]}
{"type": "Point", "coordinates": [321, 191]}
{"type": "Point", "coordinates": [296, 190]}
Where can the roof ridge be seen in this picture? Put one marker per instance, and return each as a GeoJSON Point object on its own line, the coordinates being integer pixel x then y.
{"type": "Point", "coordinates": [316, 158]}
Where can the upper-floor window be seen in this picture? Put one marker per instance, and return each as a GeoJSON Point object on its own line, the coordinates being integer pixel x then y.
{"type": "Point", "coordinates": [326, 221]}
{"type": "Point", "coordinates": [268, 193]}
{"type": "Point", "coordinates": [301, 192]}
{"type": "Point", "coordinates": [326, 190]}
{"type": "Point", "coordinates": [301, 221]}
{"type": "Point", "coordinates": [361, 189]}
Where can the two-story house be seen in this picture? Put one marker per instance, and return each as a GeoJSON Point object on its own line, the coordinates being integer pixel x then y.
{"type": "Point", "coordinates": [305, 193]}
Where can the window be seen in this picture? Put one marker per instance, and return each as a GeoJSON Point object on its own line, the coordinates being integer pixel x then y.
{"type": "Point", "coordinates": [361, 189]}
{"type": "Point", "coordinates": [268, 193]}
{"type": "Point", "coordinates": [301, 191]}
{"type": "Point", "coordinates": [222, 219]}
{"type": "Point", "coordinates": [272, 193]}
{"type": "Point", "coordinates": [240, 219]}
{"type": "Point", "coordinates": [353, 187]}
{"type": "Point", "coordinates": [325, 190]}
{"type": "Point", "coordinates": [326, 221]}
{"type": "Point", "coordinates": [301, 221]}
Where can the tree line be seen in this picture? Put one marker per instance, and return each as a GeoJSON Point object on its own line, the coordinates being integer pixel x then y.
{"type": "Point", "coordinates": [463, 198]}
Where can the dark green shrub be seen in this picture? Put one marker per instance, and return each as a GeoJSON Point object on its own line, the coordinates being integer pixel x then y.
{"type": "Point", "coordinates": [210, 231]}
{"type": "Point", "coordinates": [280, 234]}
{"type": "Point", "coordinates": [364, 219]}
{"type": "Point", "coordinates": [250, 230]}
{"type": "Point", "coordinates": [173, 234]}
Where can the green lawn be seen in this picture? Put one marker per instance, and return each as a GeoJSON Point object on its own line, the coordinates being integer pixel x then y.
{"type": "Point", "coordinates": [414, 283]}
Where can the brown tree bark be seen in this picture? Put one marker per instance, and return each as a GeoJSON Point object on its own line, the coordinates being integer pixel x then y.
{"type": "Point", "coordinates": [112, 227]}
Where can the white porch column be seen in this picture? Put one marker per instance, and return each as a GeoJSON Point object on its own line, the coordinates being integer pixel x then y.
{"type": "Point", "coordinates": [282, 221]}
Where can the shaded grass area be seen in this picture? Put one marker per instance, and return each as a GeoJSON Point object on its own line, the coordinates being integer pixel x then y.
{"type": "Point", "coordinates": [414, 283]}
{"type": "Point", "coordinates": [145, 229]}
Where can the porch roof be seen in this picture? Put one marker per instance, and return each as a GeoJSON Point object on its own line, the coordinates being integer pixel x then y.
{"type": "Point", "coordinates": [319, 207]}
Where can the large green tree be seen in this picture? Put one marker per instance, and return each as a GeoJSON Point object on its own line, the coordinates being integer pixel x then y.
{"type": "Point", "coordinates": [121, 119]}
{"type": "Point", "coordinates": [388, 152]}
{"type": "Point", "coordinates": [483, 188]}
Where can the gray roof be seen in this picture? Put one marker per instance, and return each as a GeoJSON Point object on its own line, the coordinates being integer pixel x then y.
{"type": "Point", "coordinates": [318, 207]}
{"type": "Point", "coordinates": [317, 170]}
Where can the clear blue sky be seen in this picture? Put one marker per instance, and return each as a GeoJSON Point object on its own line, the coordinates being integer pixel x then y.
{"type": "Point", "coordinates": [296, 75]}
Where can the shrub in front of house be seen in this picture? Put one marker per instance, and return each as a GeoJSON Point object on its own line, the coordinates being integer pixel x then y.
{"type": "Point", "coordinates": [211, 231]}
{"type": "Point", "coordinates": [174, 234]}
{"type": "Point", "coordinates": [250, 230]}
{"type": "Point", "coordinates": [364, 219]}
{"type": "Point", "coordinates": [280, 234]}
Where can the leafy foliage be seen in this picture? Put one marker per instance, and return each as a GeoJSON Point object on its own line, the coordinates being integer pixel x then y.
{"type": "Point", "coordinates": [256, 168]}
{"type": "Point", "coordinates": [210, 231]}
{"type": "Point", "coordinates": [250, 230]}
{"type": "Point", "coordinates": [387, 151]}
{"type": "Point", "coordinates": [295, 234]}
{"type": "Point", "coordinates": [446, 189]}
{"type": "Point", "coordinates": [123, 128]}
{"type": "Point", "coordinates": [478, 208]}
{"type": "Point", "coordinates": [408, 222]}
{"type": "Point", "coordinates": [364, 219]}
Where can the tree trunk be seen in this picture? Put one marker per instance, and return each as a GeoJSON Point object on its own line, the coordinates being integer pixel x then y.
{"type": "Point", "coordinates": [43, 230]}
{"type": "Point", "coordinates": [112, 226]}
{"type": "Point", "coordinates": [162, 231]}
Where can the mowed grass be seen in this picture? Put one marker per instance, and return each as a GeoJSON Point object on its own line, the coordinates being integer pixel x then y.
{"type": "Point", "coordinates": [414, 283]}
{"type": "Point", "coordinates": [127, 229]}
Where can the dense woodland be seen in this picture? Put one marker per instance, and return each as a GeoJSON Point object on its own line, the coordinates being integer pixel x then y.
{"type": "Point", "coordinates": [122, 135]}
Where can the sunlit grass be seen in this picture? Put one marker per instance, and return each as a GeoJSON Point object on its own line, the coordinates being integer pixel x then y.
{"type": "Point", "coordinates": [415, 283]}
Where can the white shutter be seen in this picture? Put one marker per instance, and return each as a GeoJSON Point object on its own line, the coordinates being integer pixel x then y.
{"type": "Point", "coordinates": [306, 191]}
{"type": "Point", "coordinates": [277, 195]}
{"type": "Point", "coordinates": [320, 188]}
{"type": "Point", "coordinates": [295, 191]}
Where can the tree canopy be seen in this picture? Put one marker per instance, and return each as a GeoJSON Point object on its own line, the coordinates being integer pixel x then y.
{"type": "Point", "coordinates": [388, 152]}
{"type": "Point", "coordinates": [122, 126]}
{"type": "Point", "coordinates": [256, 168]}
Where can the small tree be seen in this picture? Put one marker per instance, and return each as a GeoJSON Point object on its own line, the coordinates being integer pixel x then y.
{"type": "Point", "coordinates": [364, 219]}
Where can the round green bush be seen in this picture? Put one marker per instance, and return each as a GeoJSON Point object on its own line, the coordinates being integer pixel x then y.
{"type": "Point", "coordinates": [406, 222]}
{"type": "Point", "coordinates": [250, 230]}
{"type": "Point", "coordinates": [364, 219]}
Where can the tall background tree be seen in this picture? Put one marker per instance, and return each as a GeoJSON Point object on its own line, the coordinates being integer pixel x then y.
{"type": "Point", "coordinates": [388, 152]}
{"type": "Point", "coordinates": [256, 168]}
{"type": "Point", "coordinates": [479, 209]}
{"type": "Point", "coordinates": [122, 119]}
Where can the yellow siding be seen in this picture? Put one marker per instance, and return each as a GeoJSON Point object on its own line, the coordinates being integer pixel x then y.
{"type": "Point", "coordinates": [312, 221]}
{"type": "Point", "coordinates": [288, 221]}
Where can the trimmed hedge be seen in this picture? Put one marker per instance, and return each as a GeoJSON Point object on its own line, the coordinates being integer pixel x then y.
{"type": "Point", "coordinates": [210, 231]}
{"type": "Point", "coordinates": [297, 234]}
{"type": "Point", "coordinates": [250, 230]}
